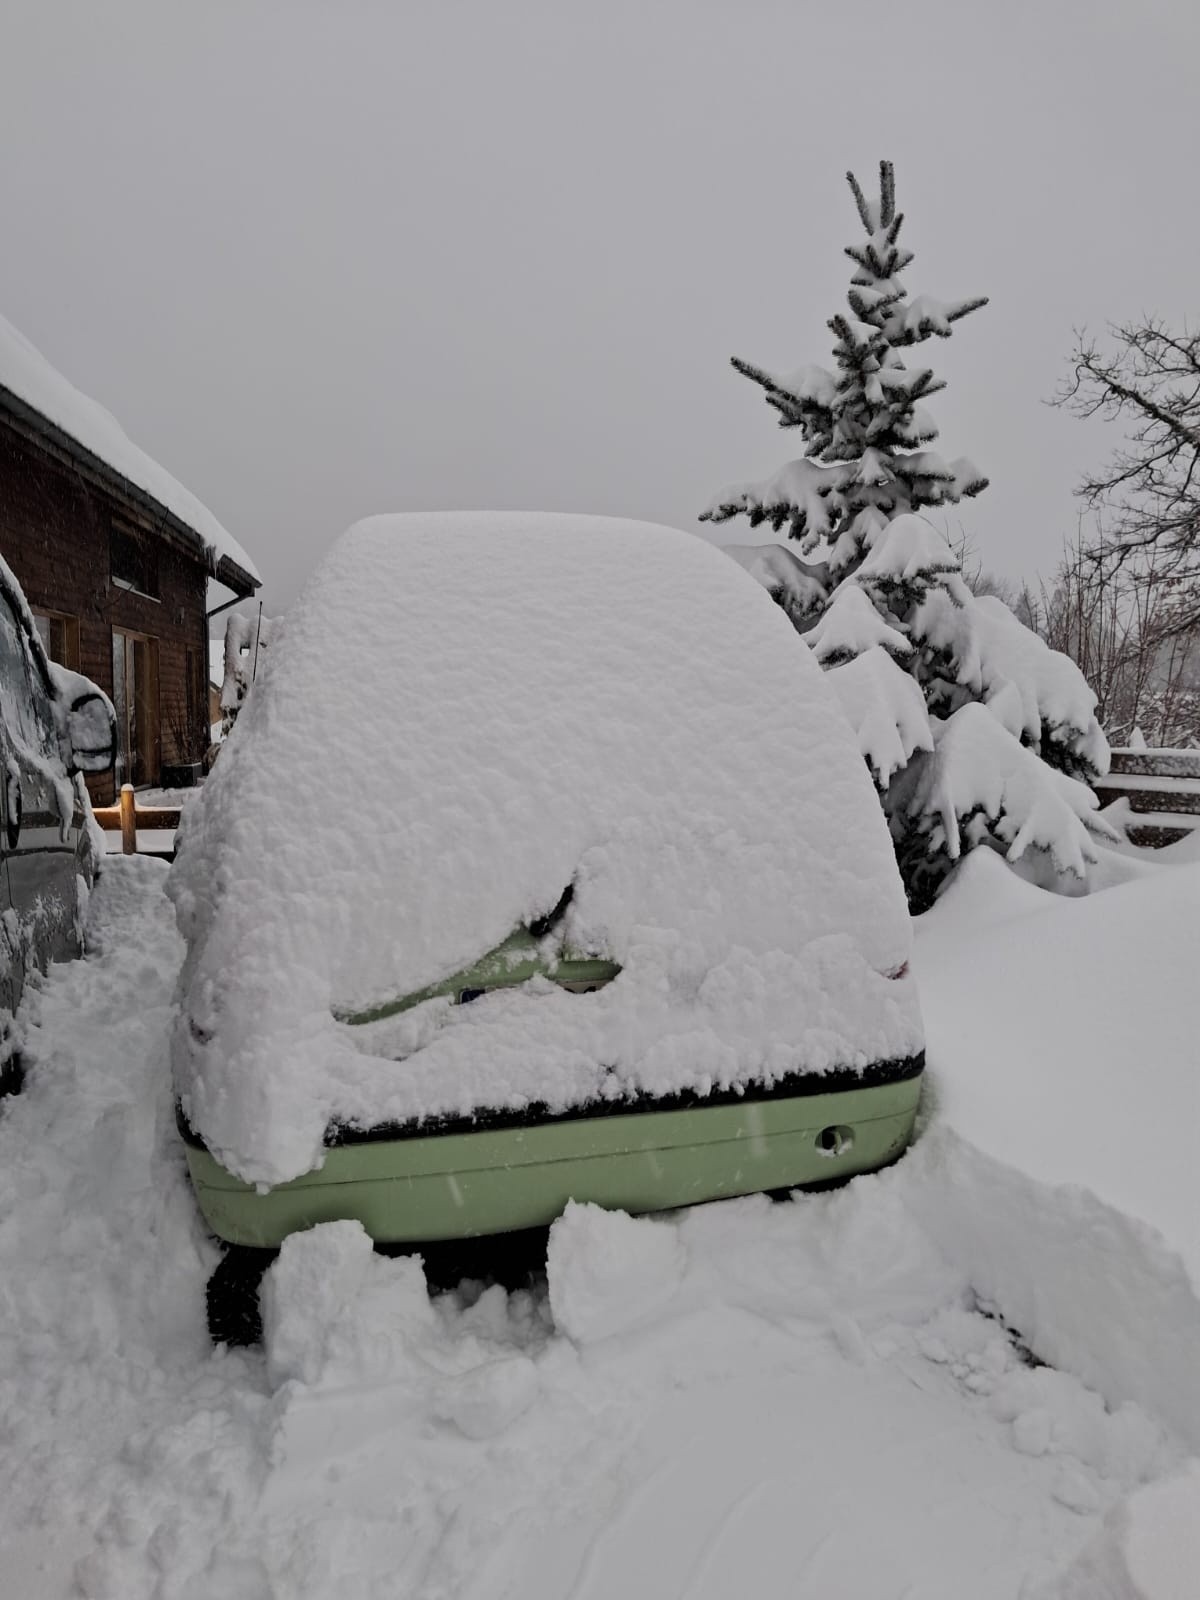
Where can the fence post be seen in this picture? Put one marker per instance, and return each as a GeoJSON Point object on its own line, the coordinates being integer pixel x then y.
{"type": "Point", "coordinates": [128, 820]}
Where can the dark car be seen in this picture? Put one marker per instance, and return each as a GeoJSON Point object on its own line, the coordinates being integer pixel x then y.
{"type": "Point", "coordinates": [54, 725]}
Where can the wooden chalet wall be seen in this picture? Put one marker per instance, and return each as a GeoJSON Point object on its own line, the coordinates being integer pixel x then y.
{"type": "Point", "coordinates": [55, 528]}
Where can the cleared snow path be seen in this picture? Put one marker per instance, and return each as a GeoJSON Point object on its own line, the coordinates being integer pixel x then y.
{"type": "Point", "coordinates": [795, 1399]}
{"type": "Point", "coordinates": [124, 1441]}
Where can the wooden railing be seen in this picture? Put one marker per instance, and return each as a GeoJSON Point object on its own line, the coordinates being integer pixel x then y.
{"type": "Point", "coordinates": [126, 817]}
{"type": "Point", "coordinates": [1163, 790]}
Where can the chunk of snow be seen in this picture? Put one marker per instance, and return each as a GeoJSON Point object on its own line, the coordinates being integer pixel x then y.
{"type": "Point", "coordinates": [1050, 687]}
{"type": "Point", "coordinates": [910, 321]}
{"type": "Point", "coordinates": [945, 621]}
{"type": "Point", "coordinates": [982, 783]}
{"type": "Point", "coordinates": [797, 493]}
{"type": "Point", "coordinates": [798, 587]}
{"type": "Point", "coordinates": [911, 551]}
{"type": "Point", "coordinates": [609, 1272]}
{"type": "Point", "coordinates": [489, 1398]}
{"type": "Point", "coordinates": [918, 428]}
{"type": "Point", "coordinates": [335, 1314]}
{"type": "Point", "coordinates": [874, 468]}
{"type": "Point", "coordinates": [512, 704]}
{"type": "Point", "coordinates": [851, 625]}
{"type": "Point", "coordinates": [885, 707]}
{"type": "Point", "coordinates": [812, 384]}
{"type": "Point", "coordinates": [26, 373]}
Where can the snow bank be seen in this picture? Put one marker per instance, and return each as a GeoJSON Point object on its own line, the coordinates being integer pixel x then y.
{"type": "Point", "coordinates": [1147, 1549]}
{"type": "Point", "coordinates": [740, 1387]}
{"type": "Point", "coordinates": [1061, 1170]}
{"type": "Point", "coordinates": [26, 373]}
{"type": "Point", "coordinates": [819, 1368]}
{"type": "Point", "coordinates": [1090, 1290]}
{"type": "Point", "coordinates": [117, 1424]}
{"type": "Point", "coordinates": [852, 1258]}
{"type": "Point", "coordinates": [464, 715]}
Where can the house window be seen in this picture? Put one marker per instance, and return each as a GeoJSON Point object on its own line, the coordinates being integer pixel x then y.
{"type": "Point", "coordinates": [60, 637]}
{"type": "Point", "coordinates": [135, 699]}
{"type": "Point", "coordinates": [133, 562]}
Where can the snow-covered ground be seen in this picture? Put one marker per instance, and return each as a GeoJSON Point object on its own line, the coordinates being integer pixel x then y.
{"type": "Point", "coordinates": [801, 1399]}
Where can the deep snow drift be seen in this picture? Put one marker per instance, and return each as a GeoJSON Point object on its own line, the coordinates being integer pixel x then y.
{"type": "Point", "coordinates": [804, 1395]}
{"type": "Point", "coordinates": [1062, 1169]}
{"type": "Point", "coordinates": [505, 705]}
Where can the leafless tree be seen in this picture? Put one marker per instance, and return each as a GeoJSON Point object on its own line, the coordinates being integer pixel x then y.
{"type": "Point", "coordinates": [1121, 623]}
{"type": "Point", "coordinates": [1149, 493]}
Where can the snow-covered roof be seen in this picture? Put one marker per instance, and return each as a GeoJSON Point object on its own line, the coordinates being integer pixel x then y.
{"type": "Point", "coordinates": [26, 374]}
{"type": "Point", "coordinates": [465, 714]}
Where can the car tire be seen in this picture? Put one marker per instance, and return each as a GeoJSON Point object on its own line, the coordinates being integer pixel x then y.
{"type": "Point", "coordinates": [234, 1317]}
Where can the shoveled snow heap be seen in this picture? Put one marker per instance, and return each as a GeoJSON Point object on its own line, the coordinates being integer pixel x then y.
{"type": "Point", "coordinates": [26, 373]}
{"type": "Point", "coordinates": [465, 714]}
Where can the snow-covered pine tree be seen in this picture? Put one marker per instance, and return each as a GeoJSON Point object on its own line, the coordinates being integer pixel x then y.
{"type": "Point", "coordinates": [974, 730]}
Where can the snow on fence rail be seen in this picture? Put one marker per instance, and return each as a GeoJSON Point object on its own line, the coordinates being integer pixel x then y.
{"type": "Point", "coordinates": [1163, 791]}
{"type": "Point", "coordinates": [127, 817]}
{"type": "Point", "coordinates": [1162, 787]}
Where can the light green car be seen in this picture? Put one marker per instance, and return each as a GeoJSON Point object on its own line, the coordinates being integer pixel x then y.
{"type": "Point", "coordinates": [504, 1173]}
{"type": "Point", "coordinates": [523, 709]}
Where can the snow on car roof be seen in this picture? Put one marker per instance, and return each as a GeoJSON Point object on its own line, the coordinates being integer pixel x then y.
{"type": "Point", "coordinates": [26, 373]}
{"type": "Point", "coordinates": [465, 713]}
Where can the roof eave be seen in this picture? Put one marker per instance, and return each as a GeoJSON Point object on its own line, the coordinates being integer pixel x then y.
{"type": "Point", "coordinates": [224, 569]}
{"type": "Point", "coordinates": [236, 578]}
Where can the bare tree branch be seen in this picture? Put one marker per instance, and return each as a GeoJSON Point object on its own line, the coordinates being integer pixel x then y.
{"type": "Point", "coordinates": [1149, 493]}
{"type": "Point", "coordinates": [1125, 626]}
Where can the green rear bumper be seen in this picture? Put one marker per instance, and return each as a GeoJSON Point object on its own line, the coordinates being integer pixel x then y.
{"type": "Point", "coordinates": [421, 1188]}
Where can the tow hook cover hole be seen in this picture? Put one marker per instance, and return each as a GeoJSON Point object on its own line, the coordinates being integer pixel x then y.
{"type": "Point", "coordinates": [835, 1141]}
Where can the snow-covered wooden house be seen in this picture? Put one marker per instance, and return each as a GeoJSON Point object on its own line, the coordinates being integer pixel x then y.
{"type": "Point", "coordinates": [116, 559]}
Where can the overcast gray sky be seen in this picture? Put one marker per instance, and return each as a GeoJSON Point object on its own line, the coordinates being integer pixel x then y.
{"type": "Point", "coordinates": [329, 259]}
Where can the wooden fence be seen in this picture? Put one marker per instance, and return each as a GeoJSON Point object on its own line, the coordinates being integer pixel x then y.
{"type": "Point", "coordinates": [127, 817]}
{"type": "Point", "coordinates": [1162, 787]}
{"type": "Point", "coordinates": [1163, 790]}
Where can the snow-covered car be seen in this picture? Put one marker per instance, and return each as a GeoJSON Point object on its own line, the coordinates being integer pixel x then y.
{"type": "Point", "coordinates": [541, 864]}
{"type": "Point", "coordinates": [54, 725]}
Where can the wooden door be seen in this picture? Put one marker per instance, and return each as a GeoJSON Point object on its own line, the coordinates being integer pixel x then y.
{"type": "Point", "coordinates": [135, 697]}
